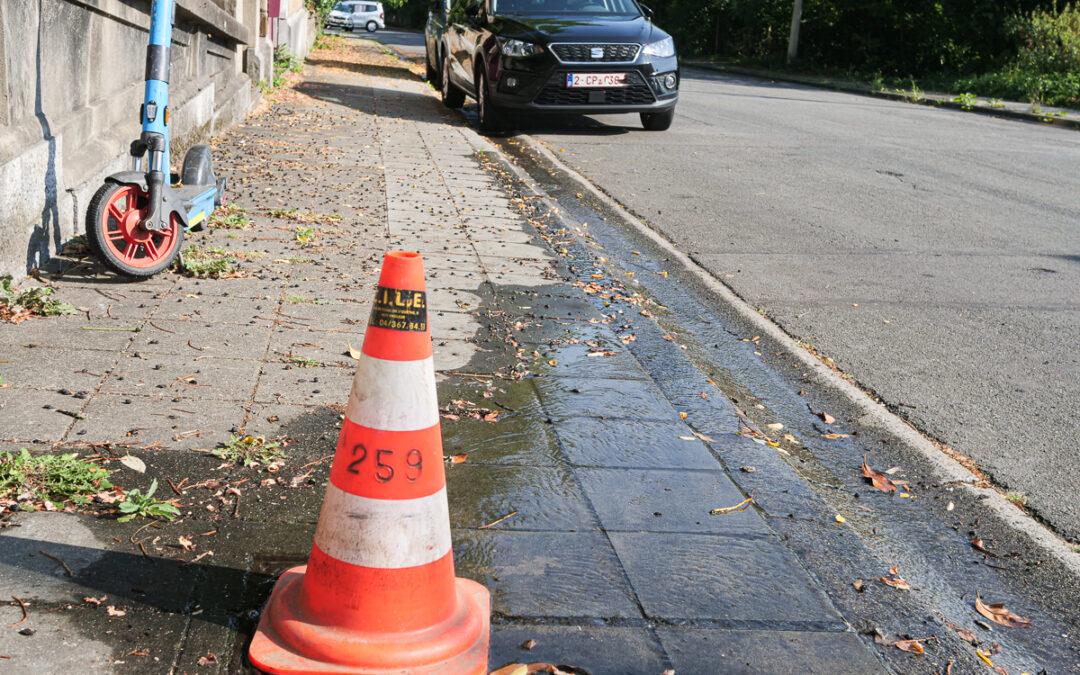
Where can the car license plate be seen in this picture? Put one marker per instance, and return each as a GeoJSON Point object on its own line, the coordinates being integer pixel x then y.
{"type": "Point", "coordinates": [595, 80]}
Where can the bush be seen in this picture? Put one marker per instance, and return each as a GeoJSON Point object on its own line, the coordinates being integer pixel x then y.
{"type": "Point", "coordinates": [1049, 41]}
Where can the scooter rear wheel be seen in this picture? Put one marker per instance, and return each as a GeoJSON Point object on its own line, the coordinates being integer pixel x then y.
{"type": "Point", "coordinates": [114, 232]}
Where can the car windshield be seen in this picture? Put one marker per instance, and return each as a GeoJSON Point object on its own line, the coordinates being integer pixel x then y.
{"type": "Point", "coordinates": [624, 8]}
{"type": "Point", "coordinates": [340, 7]}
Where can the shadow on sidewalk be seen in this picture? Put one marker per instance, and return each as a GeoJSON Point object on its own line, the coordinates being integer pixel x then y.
{"type": "Point", "coordinates": [395, 72]}
{"type": "Point", "coordinates": [215, 593]}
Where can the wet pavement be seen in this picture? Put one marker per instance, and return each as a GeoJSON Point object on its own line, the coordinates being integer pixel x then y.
{"type": "Point", "coordinates": [597, 444]}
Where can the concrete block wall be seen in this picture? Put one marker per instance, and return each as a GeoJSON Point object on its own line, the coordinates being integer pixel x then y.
{"type": "Point", "coordinates": [71, 82]}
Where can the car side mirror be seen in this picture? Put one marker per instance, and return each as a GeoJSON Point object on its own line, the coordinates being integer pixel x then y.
{"type": "Point", "coordinates": [646, 10]}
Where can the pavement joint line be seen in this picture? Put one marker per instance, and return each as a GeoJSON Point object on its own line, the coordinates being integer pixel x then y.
{"type": "Point", "coordinates": [906, 436]}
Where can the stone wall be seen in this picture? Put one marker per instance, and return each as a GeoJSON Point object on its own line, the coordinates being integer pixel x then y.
{"type": "Point", "coordinates": [71, 81]}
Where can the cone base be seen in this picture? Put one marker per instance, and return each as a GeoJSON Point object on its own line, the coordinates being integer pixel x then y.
{"type": "Point", "coordinates": [288, 643]}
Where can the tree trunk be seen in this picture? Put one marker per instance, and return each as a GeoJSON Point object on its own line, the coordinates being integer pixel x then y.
{"type": "Point", "coordinates": [793, 38]}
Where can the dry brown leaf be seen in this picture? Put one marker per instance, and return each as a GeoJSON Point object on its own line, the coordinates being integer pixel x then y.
{"type": "Point", "coordinates": [997, 613]}
{"type": "Point", "coordinates": [876, 478]}
{"type": "Point", "coordinates": [965, 635]}
{"type": "Point", "coordinates": [859, 585]}
{"type": "Point", "coordinates": [913, 646]}
{"type": "Point", "coordinates": [186, 543]}
{"type": "Point", "coordinates": [459, 459]}
{"type": "Point", "coordinates": [895, 580]}
{"type": "Point", "coordinates": [528, 644]}
{"type": "Point", "coordinates": [96, 602]}
{"type": "Point", "coordinates": [113, 611]}
{"type": "Point", "coordinates": [208, 660]}
{"type": "Point", "coordinates": [826, 417]}
{"type": "Point", "coordinates": [833, 436]}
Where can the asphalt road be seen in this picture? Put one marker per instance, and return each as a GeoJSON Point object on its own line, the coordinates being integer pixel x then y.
{"type": "Point", "coordinates": [935, 255]}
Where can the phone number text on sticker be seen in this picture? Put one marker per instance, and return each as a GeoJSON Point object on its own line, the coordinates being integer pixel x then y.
{"type": "Point", "coordinates": [595, 80]}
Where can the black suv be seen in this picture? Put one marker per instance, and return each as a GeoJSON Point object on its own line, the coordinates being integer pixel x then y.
{"type": "Point", "coordinates": [562, 56]}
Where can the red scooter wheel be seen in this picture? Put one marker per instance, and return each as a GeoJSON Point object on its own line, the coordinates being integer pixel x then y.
{"type": "Point", "coordinates": [114, 231]}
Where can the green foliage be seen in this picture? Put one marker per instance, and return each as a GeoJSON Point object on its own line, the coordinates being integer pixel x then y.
{"type": "Point", "coordinates": [214, 263]}
{"type": "Point", "coordinates": [1049, 40]}
{"type": "Point", "coordinates": [325, 41]}
{"type": "Point", "coordinates": [58, 479]}
{"type": "Point", "coordinates": [306, 236]}
{"type": "Point", "coordinates": [138, 504]}
{"type": "Point", "coordinates": [966, 100]}
{"type": "Point", "coordinates": [249, 451]}
{"type": "Point", "coordinates": [1013, 84]}
{"type": "Point", "coordinates": [230, 217]}
{"type": "Point", "coordinates": [16, 305]}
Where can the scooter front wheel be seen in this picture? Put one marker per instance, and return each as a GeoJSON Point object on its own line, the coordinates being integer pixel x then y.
{"type": "Point", "coordinates": [115, 233]}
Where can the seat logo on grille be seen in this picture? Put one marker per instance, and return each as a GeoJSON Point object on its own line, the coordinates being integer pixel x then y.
{"type": "Point", "coordinates": [597, 52]}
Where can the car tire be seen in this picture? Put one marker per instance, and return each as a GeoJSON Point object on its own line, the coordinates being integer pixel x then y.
{"type": "Point", "coordinates": [372, 26]}
{"type": "Point", "coordinates": [431, 74]}
{"type": "Point", "coordinates": [492, 119]}
{"type": "Point", "coordinates": [452, 97]}
{"type": "Point", "coordinates": [658, 121]}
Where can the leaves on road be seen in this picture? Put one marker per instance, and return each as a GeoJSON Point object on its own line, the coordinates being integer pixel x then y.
{"type": "Point", "coordinates": [876, 478]}
{"type": "Point", "coordinates": [134, 463]}
{"type": "Point", "coordinates": [895, 580]}
{"type": "Point", "coordinates": [999, 614]}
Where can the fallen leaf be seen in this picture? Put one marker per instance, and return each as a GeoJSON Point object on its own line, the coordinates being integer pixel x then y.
{"type": "Point", "coordinates": [826, 417]}
{"type": "Point", "coordinates": [984, 657]}
{"type": "Point", "coordinates": [528, 644]}
{"type": "Point", "coordinates": [978, 544]}
{"type": "Point", "coordinates": [139, 652]}
{"type": "Point", "coordinates": [831, 436]}
{"type": "Point", "coordinates": [859, 585]}
{"type": "Point", "coordinates": [775, 426]}
{"type": "Point", "coordinates": [965, 635]}
{"type": "Point", "coordinates": [96, 602]}
{"type": "Point", "coordinates": [876, 478]}
{"type": "Point", "coordinates": [732, 509]}
{"type": "Point", "coordinates": [458, 459]}
{"type": "Point", "coordinates": [913, 646]}
{"type": "Point", "coordinates": [133, 463]}
{"type": "Point", "coordinates": [208, 660]}
{"type": "Point", "coordinates": [113, 611]}
{"type": "Point", "coordinates": [997, 613]}
{"type": "Point", "coordinates": [895, 580]}
{"type": "Point", "coordinates": [683, 415]}
{"type": "Point", "coordinates": [703, 437]}
{"type": "Point", "coordinates": [186, 543]}
{"type": "Point", "coordinates": [840, 519]}
{"type": "Point", "coordinates": [354, 352]}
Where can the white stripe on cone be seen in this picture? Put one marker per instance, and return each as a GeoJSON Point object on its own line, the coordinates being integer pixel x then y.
{"type": "Point", "coordinates": [383, 533]}
{"type": "Point", "coordinates": [394, 395]}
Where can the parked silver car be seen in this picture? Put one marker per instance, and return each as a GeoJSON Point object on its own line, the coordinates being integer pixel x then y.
{"type": "Point", "coordinates": [366, 15]}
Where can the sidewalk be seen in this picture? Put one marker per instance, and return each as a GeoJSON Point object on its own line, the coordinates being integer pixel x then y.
{"type": "Point", "coordinates": [583, 502]}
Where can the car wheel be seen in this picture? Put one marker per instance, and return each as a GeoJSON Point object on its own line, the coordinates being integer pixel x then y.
{"type": "Point", "coordinates": [452, 97]}
{"type": "Point", "coordinates": [492, 118]}
{"type": "Point", "coordinates": [658, 121]}
{"type": "Point", "coordinates": [372, 26]}
{"type": "Point", "coordinates": [431, 75]}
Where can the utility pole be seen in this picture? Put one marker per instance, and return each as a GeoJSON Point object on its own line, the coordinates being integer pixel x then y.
{"type": "Point", "coordinates": [793, 38]}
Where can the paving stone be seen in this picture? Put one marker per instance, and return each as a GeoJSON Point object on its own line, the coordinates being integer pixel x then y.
{"type": "Point", "coordinates": [544, 498]}
{"type": "Point", "coordinates": [217, 310]}
{"type": "Point", "coordinates": [597, 650]}
{"type": "Point", "coordinates": [658, 500]}
{"type": "Point", "coordinates": [585, 397]}
{"type": "Point", "coordinates": [546, 574]}
{"type": "Point", "coordinates": [452, 354]}
{"type": "Point", "coordinates": [734, 580]}
{"type": "Point", "coordinates": [191, 338]}
{"type": "Point", "coordinates": [198, 377]}
{"type": "Point", "coordinates": [70, 332]}
{"type": "Point", "coordinates": [147, 420]}
{"type": "Point", "coordinates": [43, 368]}
{"type": "Point", "coordinates": [284, 383]}
{"type": "Point", "coordinates": [36, 415]}
{"type": "Point", "coordinates": [631, 443]}
{"type": "Point", "coordinates": [776, 652]}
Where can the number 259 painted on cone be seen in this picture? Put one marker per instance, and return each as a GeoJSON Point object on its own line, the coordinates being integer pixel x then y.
{"type": "Point", "coordinates": [384, 471]}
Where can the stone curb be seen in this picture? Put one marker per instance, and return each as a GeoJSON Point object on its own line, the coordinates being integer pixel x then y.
{"type": "Point", "coordinates": [933, 102]}
{"type": "Point", "coordinates": [874, 414]}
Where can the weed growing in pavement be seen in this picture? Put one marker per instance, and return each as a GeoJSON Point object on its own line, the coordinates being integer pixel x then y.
{"type": "Point", "coordinates": [301, 362]}
{"type": "Point", "coordinates": [249, 451]}
{"type": "Point", "coordinates": [1017, 498]}
{"type": "Point", "coordinates": [77, 245]}
{"type": "Point", "coordinates": [325, 41]}
{"type": "Point", "coordinates": [996, 103]}
{"type": "Point", "coordinates": [284, 62]}
{"type": "Point", "coordinates": [300, 300]}
{"type": "Point", "coordinates": [138, 504]}
{"type": "Point", "coordinates": [913, 95]}
{"type": "Point", "coordinates": [306, 236]}
{"type": "Point", "coordinates": [17, 306]}
{"type": "Point", "coordinates": [214, 263]}
{"type": "Point", "coordinates": [30, 481]}
{"type": "Point", "coordinates": [966, 100]}
{"type": "Point", "coordinates": [230, 217]}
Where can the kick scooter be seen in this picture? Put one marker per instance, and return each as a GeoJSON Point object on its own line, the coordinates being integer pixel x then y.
{"type": "Point", "coordinates": [136, 221]}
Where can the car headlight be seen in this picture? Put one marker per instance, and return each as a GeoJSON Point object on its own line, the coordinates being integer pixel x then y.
{"type": "Point", "coordinates": [663, 48]}
{"type": "Point", "coordinates": [520, 48]}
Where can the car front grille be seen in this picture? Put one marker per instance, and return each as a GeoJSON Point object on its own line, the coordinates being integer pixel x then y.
{"type": "Point", "coordinates": [555, 92]}
{"type": "Point", "coordinates": [582, 52]}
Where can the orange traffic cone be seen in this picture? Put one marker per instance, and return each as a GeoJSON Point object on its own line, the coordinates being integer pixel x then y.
{"type": "Point", "coordinates": [378, 594]}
